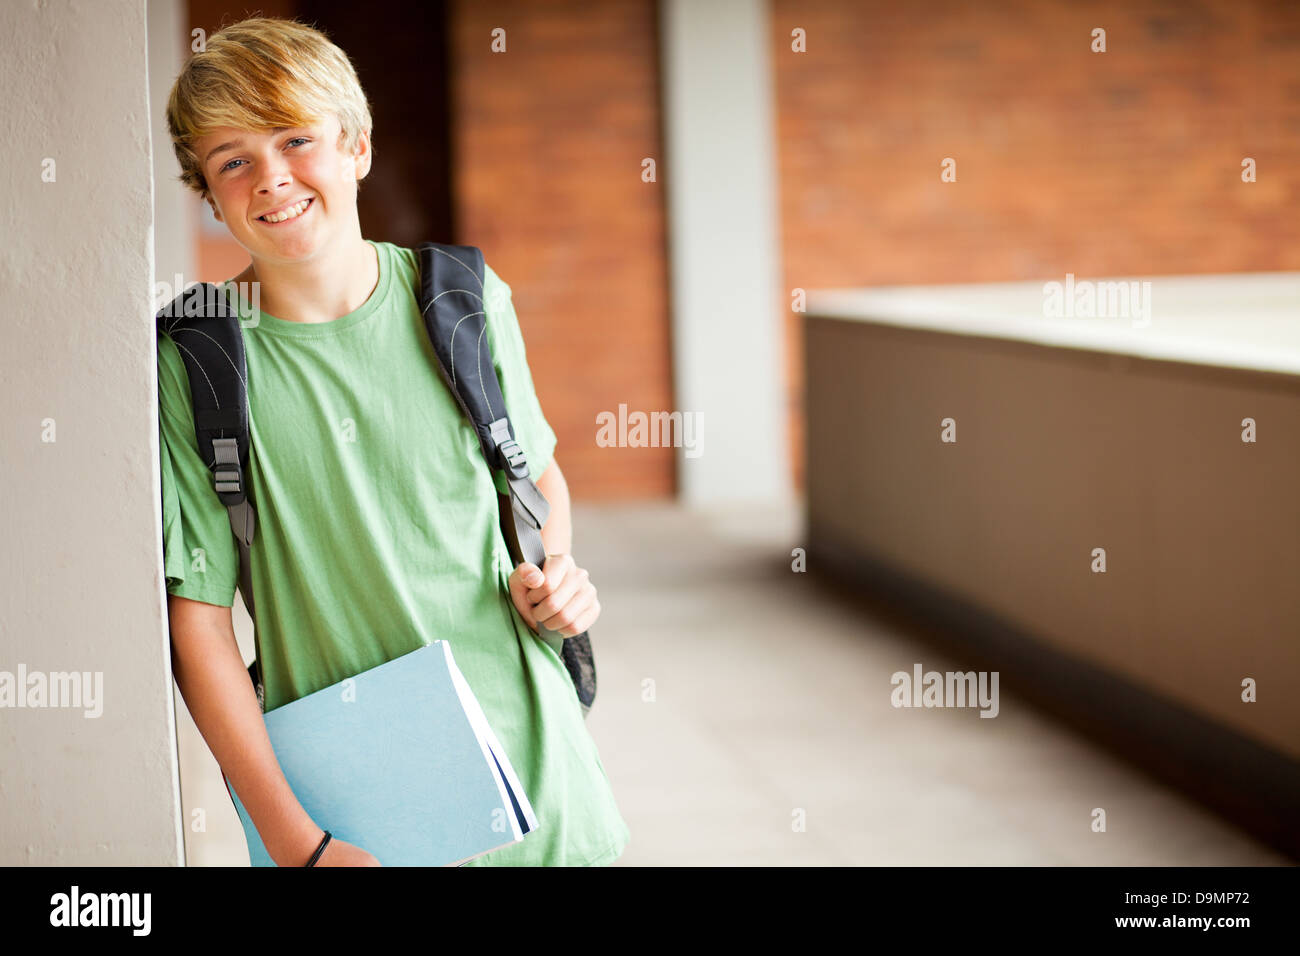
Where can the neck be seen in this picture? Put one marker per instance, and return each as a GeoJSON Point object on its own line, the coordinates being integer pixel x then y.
{"type": "Point", "coordinates": [334, 282]}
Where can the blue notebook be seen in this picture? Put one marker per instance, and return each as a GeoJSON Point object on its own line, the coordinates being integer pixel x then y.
{"type": "Point", "coordinates": [400, 761]}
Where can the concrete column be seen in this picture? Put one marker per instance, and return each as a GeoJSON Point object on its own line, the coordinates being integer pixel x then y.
{"type": "Point", "coordinates": [719, 175]}
{"type": "Point", "coordinates": [93, 780]}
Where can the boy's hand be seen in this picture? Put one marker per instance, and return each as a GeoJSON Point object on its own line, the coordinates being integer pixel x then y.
{"type": "Point", "coordinates": [560, 596]}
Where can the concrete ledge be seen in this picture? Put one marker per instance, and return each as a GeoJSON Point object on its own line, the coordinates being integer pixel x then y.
{"type": "Point", "coordinates": [1247, 321]}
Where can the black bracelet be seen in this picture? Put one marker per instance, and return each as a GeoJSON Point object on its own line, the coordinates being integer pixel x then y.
{"type": "Point", "coordinates": [319, 850]}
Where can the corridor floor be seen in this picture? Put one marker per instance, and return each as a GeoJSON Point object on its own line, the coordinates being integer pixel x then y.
{"type": "Point", "coordinates": [744, 718]}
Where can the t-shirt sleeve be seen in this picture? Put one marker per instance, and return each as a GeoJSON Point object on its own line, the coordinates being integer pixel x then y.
{"type": "Point", "coordinates": [200, 558]}
{"type": "Point", "coordinates": [532, 430]}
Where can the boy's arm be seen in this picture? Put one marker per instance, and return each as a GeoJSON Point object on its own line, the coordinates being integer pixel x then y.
{"type": "Point", "coordinates": [557, 533]}
{"type": "Point", "coordinates": [214, 682]}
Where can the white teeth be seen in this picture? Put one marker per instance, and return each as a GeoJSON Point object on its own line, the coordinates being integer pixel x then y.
{"type": "Point", "coordinates": [290, 213]}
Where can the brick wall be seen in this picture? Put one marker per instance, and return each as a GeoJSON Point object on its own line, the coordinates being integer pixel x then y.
{"type": "Point", "coordinates": [1123, 162]}
{"type": "Point", "coordinates": [549, 139]}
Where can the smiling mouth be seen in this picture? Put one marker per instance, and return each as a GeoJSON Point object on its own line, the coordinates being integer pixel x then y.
{"type": "Point", "coordinates": [288, 215]}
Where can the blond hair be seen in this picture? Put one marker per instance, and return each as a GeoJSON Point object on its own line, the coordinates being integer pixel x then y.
{"type": "Point", "coordinates": [257, 75]}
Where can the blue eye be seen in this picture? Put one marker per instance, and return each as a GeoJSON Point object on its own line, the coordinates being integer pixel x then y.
{"type": "Point", "coordinates": [290, 143]}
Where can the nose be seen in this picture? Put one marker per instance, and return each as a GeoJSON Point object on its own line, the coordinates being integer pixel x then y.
{"type": "Point", "coordinates": [274, 174]}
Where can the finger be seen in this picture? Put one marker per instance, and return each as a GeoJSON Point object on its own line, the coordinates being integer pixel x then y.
{"type": "Point", "coordinates": [576, 587]}
{"type": "Point", "coordinates": [519, 592]}
{"type": "Point", "coordinates": [529, 574]}
{"type": "Point", "coordinates": [567, 611]}
{"type": "Point", "coordinates": [524, 608]}
{"type": "Point", "coordinates": [555, 569]}
{"type": "Point", "coordinates": [587, 618]}
{"type": "Point", "coordinates": [568, 619]}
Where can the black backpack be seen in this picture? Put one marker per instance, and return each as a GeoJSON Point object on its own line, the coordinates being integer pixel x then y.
{"type": "Point", "coordinates": [214, 361]}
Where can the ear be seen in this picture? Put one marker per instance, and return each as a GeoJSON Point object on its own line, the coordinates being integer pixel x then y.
{"type": "Point", "coordinates": [363, 155]}
{"type": "Point", "coordinates": [215, 211]}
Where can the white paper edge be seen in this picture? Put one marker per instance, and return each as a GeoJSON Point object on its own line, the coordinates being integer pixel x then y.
{"type": "Point", "coordinates": [487, 742]}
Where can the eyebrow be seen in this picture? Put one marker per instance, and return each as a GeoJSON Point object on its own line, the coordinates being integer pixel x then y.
{"type": "Point", "coordinates": [236, 143]}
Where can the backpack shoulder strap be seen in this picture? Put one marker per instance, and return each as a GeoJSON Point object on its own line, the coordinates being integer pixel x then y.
{"type": "Point", "coordinates": [455, 316]}
{"type": "Point", "coordinates": [451, 302]}
{"type": "Point", "coordinates": [206, 332]}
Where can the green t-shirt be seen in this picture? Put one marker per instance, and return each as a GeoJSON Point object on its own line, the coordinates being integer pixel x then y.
{"type": "Point", "coordinates": [377, 534]}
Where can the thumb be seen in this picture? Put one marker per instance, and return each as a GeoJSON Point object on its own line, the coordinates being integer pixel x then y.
{"type": "Point", "coordinates": [531, 574]}
{"type": "Point", "coordinates": [519, 592]}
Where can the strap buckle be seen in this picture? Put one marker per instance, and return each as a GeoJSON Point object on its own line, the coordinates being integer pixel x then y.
{"type": "Point", "coordinates": [510, 455]}
{"type": "Point", "coordinates": [227, 472]}
{"type": "Point", "coordinates": [513, 455]}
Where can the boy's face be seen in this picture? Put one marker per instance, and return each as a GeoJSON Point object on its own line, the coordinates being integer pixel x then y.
{"type": "Point", "coordinates": [272, 173]}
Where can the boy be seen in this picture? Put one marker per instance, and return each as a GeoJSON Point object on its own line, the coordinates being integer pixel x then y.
{"type": "Point", "coordinates": [377, 515]}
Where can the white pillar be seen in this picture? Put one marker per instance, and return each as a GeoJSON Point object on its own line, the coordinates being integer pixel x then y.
{"type": "Point", "coordinates": [719, 174]}
{"type": "Point", "coordinates": [82, 547]}
{"type": "Point", "coordinates": [174, 219]}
